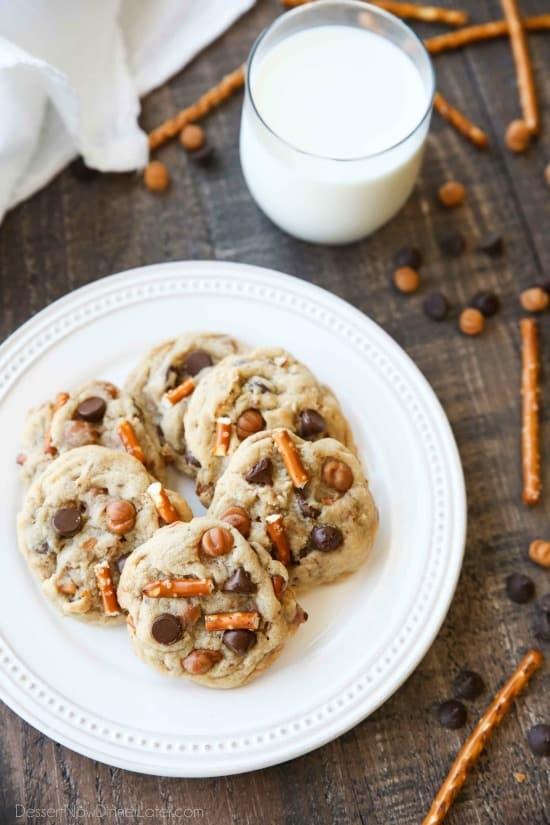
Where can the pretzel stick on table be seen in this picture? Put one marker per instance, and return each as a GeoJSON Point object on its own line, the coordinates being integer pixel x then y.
{"type": "Point", "coordinates": [484, 31]}
{"type": "Point", "coordinates": [530, 450]}
{"type": "Point", "coordinates": [477, 740]}
{"type": "Point", "coordinates": [409, 11]}
{"type": "Point", "coordinates": [524, 69]}
{"type": "Point", "coordinates": [461, 123]}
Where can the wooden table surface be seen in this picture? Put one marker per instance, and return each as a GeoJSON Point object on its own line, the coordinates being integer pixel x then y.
{"type": "Point", "coordinates": [387, 769]}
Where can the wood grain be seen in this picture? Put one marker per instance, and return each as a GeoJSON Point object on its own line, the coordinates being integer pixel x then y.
{"type": "Point", "coordinates": [387, 769]}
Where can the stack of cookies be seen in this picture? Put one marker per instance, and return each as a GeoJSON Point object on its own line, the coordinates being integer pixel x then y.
{"type": "Point", "coordinates": [211, 598]}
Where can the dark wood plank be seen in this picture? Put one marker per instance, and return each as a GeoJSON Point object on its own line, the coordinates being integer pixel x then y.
{"type": "Point", "coordinates": [386, 770]}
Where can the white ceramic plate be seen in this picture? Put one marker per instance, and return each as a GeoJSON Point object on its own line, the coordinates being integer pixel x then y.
{"type": "Point", "coordinates": [83, 686]}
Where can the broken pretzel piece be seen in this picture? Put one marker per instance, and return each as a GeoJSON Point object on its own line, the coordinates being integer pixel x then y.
{"type": "Point", "coordinates": [163, 505]}
{"type": "Point", "coordinates": [181, 391]}
{"type": "Point", "coordinates": [530, 449]}
{"type": "Point", "coordinates": [232, 621]}
{"type": "Point", "coordinates": [276, 532]}
{"type": "Point", "coordinates": [178, 588]}
{"type": "Point", "coordinates": [223, 436]}
{"type": "Point", "coordinates": [429, 14]}
{"type": "Point", "coordinates": [60, 401]}
{"type": "Point", "coordinates": [483, 31]}
{"type": "Point", "coordinates": [129, 440]}
{"type": "Point", "coordinates": [461, 123]}
{"type": "Point", "coordinates": [106, 587]}
{"type": "Point", "coordinates": [291, 457]}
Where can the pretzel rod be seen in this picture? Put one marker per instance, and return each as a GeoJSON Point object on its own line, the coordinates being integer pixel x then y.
{"type": "Point", "coordinates": [484, 31]}
{"type": "Point", "coordinates": [291, 458]}
{"type": "Point", "coordinates": [223, 436]}
{"type": "Point", "coordinates": [461, 123]}
{"type": "Point", "coordinates": [477, 740]}
{"type": "Point", "coordinates": [163, 505]}
{"type": "Point", "coordinates": [181, 391]}
{"type": "Point", "coordinates": [128, 437]}
{"type": "Point", "coordinates": [105, 585]}
{"type": "Point", "coordinates": [276, 532]}
{"type": "Point", "coordinates": [210, 100]}
{"type": "Point", "coordinates": [530, 410]}
{"type": "Point", "coordinates": [178, 588]}
{"type": "Point", "coordinates": [429, 14]}
{"type": "Point", "coordinates": [524, 68]}
{"type": "Point", "coordinates": [60, 401]}
{"type": "Point", "coordinates": [232, 621]}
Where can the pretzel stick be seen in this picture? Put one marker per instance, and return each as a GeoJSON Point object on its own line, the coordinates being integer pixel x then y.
{"type": "Point", "coordinates": [105, 585]}
{"type": "Point", "coordinates": [477, 740]}
{"type": "Point", "coordinates": [178, 588]}
{"type": "Point", "coordinates": [429, 14]}
{"type": "Point", "coordinates": [291, 458]}
{"type": "Point", "coordinates": [129, 440]}
{"type": "Point", "coordinates": [223, 436]}
{"type": "Point", "coordinates": [181, 391]}
{"type": "Point", "coordinates": [484, 31]}
{"type": "Point", "coordinates": [210, 100]}
{"type": "Point", "coordinates": [276, 532]}
{"type": "Point", "coordinates": [461, 123]}
{"type": "Point", "coordinates": [530, 410]}
{"type": "Point", "coordinates": [524, 68]}
{"type": "Point", "coordinates": [60, 401]}
{"type": "Point", "coordinates": [163, 505]}
{"type": "Point", "coordinates": [232, 621]}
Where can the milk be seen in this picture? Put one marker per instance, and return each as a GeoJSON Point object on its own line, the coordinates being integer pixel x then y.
{"type": "Point", "coordinates": [332, 131]}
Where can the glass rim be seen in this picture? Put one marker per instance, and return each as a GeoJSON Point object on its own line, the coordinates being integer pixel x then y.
{"type": "Point", "coordinates": [360, 5]}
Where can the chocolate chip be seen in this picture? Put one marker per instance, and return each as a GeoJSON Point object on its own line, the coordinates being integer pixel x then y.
{"type": "Point", "coordinates": [80, 171]}
{"type": "Point", "coordinates": [261, 472]}
{"type": "Point", "coordinates": [452, 714]}
{"type": "Point", "coordinates": [239, 641]}
{"type": "Point", "coordinates": [203, 156]}
{"type": "Point", "coordinates": [67, 521]}
{"type": "Point", "coordinates": [311, 423]}
{"type": "Point", "coordinates": [487, 302]}
{"type": "Point", "coordinates": [43, 548]}
{"type": "Point", "coordinates": [468, 684]}
{"type": "Point", "coordinates": [306, 508]}
{"type": "Point", "coordinates": [539, 740]}
{"type": "Point", "coordinates": [195, 361]}
{"type": "Point", "coordinates": [325, 537]}
{"type": "Point", "coordinates": [166, 629]}
{"type": "Point", "coordinates": [191, 460]}
{"type": "Point", "coordinates": [542, 618]}
{"type": "Point", "coordinates": [92, 409]}
{"type": "Point", "coordinates": [452, 243]}
{"type": "Point", "coordinates": [519, 588]}
{"type": "Point", "coordinates": [408, 256]}
{"type": "Point", "coordinates": [239, 582]}
{"type": "Point", "coordinates": [492, 244]}
{"type": "Point", "coordinates": [436, 306]}
{"type": "Point", "coordinates": [120, 562]}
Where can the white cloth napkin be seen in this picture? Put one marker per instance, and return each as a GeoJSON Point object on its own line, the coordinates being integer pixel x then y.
{"type": "Point", "coordinates": [72, 72]}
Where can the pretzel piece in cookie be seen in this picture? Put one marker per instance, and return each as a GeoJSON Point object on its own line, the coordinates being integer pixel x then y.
{"type": "Point", "coordinates": [60, 401]}
{"type": "Point", "coordinates": [232, 621]}
{"type": "Point", "coordinates": [181, 391]}
{"type": "Point", "coordinates": [130, 442]}
{"type": "Point", "coordinates": [291, 457]}
{"type": "Point", "coordinates": [530, 411]}
{"type": "Point", "coordinates": [477, 740]}
{"type": "Point", "coordinates": [178, 588]}
{"type": "Point", "coordinates": [276, 532]}
{"type": "Point", "coordinates": [163, 505]}
{"type": "Point", "coordinates": [106, 587]}
{"type": "Point", "coordinates": [524, 69]}
{"type": "Point", "coordinates": [223, 436]}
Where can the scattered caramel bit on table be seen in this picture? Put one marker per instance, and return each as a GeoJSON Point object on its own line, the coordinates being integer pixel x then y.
{"type": "Point", "coordinates": [156, 176]}
{"type": "Point", "coordinates": [524, 68]}
{"type": "Point", "coordinates": [452, 193]}
{"type": "Point", "coordinates": [192, 137]}
{"type": "Point", "coordinates": [530, 448]}
{"type": "Point", "coordinates": [471, 321]}
{"type": "Point", "coordinates": [518, 136]}
{"type": "Point", "coordinates": [534, 299]}
{"type": "Point", "coordinates": [539, 552]}
{"type": "Point", "coordinates": [406, 279]}
{"type": "Point", "coordinates": [519, 777]}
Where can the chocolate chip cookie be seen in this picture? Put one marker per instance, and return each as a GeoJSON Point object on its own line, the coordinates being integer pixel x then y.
{"type": "Point", "coordinates": [95, 413]}
{"type": "Point", "coordinates": [81, 518]}
{"type": "Point", "coordinates": [308, 503]}
{"type": "Point", "coordinates": [204, 603]}
{"type": "Point", "coordinates": [166, 378]}
{"type": "Point", "coordinates": [245, 394]}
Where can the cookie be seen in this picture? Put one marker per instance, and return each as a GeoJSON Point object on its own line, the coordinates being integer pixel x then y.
{"type": "Point", "coordinates": [81, 518]}
{"type": "Point", "coordinates": [205, 604]}
{"type": "Point", "coordinates": [308, 503]}
{"type": "Point", "coordinates": [164, 381]}
{"type": "Point", "coordinates": [95, 413]}
{"type": "Point", "coordinates": [245, 394]}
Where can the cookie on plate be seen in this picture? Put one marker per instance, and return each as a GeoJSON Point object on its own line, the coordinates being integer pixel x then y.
{"type": "Point", "coordinates": [245, 394]}
{"type": "Point", "coordinates": [309, 503]}
{"type": "Point", "coordinates": [82, 517]}
{"type": "Point", "coordinates": [164, 381]}
{"type": "Point", "coordinates": [204, 603]}
{"type": "Point", "coordinates": [95, 413]}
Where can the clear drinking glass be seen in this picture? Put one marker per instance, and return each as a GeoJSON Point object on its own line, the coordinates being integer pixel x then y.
{"type": "Point", "coordinates": [322, 199]}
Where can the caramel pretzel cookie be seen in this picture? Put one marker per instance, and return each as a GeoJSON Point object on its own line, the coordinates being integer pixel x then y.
{"type": "Point", "coordinates": [80, 519]}
{"type": "Point", "coordinates": [307, 502]}
{"type": "Point", "coordinates": [204, 603]}
{"type": "Point", "coordinates": [165, 380]}
{"type": "Point", "coordinates": [95, 413]}
{"type": "Point", "coordinates": [245, 394]}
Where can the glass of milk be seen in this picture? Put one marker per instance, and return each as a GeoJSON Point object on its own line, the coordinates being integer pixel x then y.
{"type": "Point", "coordinates": [337, 108]}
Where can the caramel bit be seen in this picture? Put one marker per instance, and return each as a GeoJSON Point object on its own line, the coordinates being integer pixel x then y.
{"type": "Point", "coordinates": [534, 299]}
{"type": "Point", "coordinates": [201, 661]}
{"type": "Point", "coordinates": [121, 516]}
{"type": "Point", "coordinates": [249, 422]}
{"type": "Point", "coordinates": [518, 136]}
{"type": "Point", "coordinates": [406, 279]}
{"type": "Point", "coordinates": [471, 321]}
{"type": "Point", "coordinates": [337, 474]}
{"type": "Point", "coordinates": [539, 552]}
{"type": "Point", "coordinates": [452, 194]}
{"type": "Point", "coordinates": [156, 176]}
{"type": "Point", "coordinates": [547, 174]}
{"type": "Point", "coordinates": [192, 137]}
{"type": "Point", "coordinates": [238, 518]}
{"type": "Point", "coordinates": [519, 777]}
{"type": "Point", "coordinates": [217, 541]}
